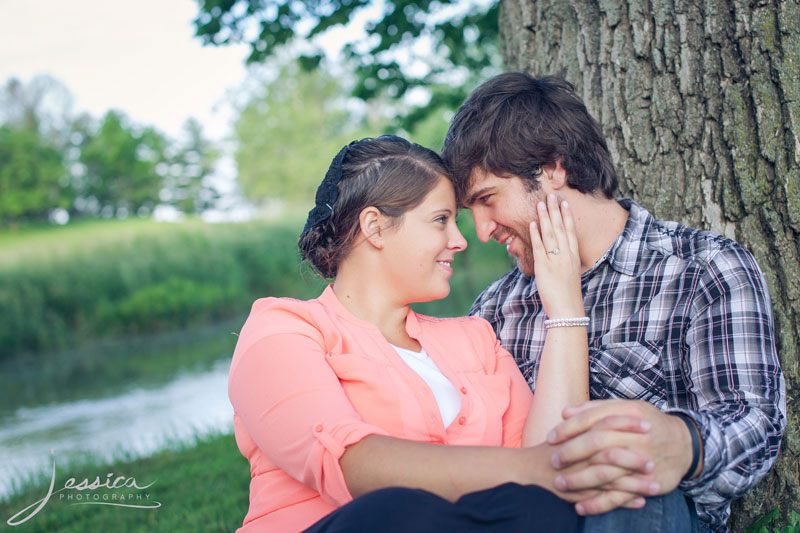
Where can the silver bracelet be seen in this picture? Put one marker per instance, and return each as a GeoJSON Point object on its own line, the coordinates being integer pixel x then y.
{"type": "Point", "coordinates": [566, 322]}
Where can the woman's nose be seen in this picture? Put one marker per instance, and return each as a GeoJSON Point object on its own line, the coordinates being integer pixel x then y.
{"type": "Point", "coordinates": [457, 240]}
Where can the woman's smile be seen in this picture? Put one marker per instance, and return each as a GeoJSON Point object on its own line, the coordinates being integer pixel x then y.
{"type": "Point", "coordinates": [446, 265]}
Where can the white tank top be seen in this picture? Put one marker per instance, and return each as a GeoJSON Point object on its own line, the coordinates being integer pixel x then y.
{"type": "Point", "coordinates": [443, 390]}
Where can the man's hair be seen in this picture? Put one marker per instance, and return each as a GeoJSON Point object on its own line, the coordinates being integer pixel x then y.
{"type": "Point", "coordinates": [513, 124]}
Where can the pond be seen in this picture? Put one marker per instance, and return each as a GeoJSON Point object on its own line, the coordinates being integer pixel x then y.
{"type": "Point", "coordinates": [136, 423]}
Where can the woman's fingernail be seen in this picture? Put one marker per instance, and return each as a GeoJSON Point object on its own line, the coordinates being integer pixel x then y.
{"type": "Point", "coordinates": [654, 488]}
{"type": "Point", "coordinates": [579, 509]}
{"type": "Point", "coordinates": [542, 206]}
{"type": "Point", "coordinates": [551, 436]}
{"type": "Point", "coordinates": [560, 483]}
{"type": "Point", "coordinates": [564, 203]}
{"type": "Point", "coordinates": [645, 425]}
{"type": "Point", "coordinates": [555, 460]}
{"type": "Point", "coordinates": [551, 197]}
{"type": "Point", "coordinates": [649, 467]}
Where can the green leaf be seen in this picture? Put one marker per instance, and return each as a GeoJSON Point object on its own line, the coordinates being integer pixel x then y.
{"type": "Point", "coordinates": [464, 42]}
{"type": "Point", "coordinates": [759, 526]}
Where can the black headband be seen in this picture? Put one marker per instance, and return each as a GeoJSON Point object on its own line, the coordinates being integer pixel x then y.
{"type": "Point", "coordinates": [327, 192]}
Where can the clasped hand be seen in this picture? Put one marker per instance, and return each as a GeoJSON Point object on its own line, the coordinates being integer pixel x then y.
{"type": "Point", "coordinates": [612, 452]}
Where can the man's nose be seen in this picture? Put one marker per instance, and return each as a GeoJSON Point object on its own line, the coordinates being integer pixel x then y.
{"type": "Point", "coordinates": [484, 225]}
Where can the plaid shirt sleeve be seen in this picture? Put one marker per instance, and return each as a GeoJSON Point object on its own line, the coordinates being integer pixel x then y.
{"type": "Point", "coordinates": [477, 308]}
{"type": "Point", "coordinates": [737, 391]}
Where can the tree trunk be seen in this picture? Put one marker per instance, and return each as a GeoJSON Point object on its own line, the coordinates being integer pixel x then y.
{"type": "Point", "coordinates": [700, 105]}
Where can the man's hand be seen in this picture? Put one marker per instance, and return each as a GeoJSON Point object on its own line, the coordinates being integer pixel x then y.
{"type": "Point", "coordinates": [597, 431]}
{"type": "Point", "coordinates": [620, 468]}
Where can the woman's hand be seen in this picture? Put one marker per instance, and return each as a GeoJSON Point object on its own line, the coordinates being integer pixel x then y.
{"type": "Point", "coordinates": [556, 262]}
{"type": "Point", "coordinates": [563, 377]}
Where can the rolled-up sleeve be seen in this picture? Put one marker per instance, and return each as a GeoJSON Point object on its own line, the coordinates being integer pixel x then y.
{"type": "Point", "coordinates": [295, 410]}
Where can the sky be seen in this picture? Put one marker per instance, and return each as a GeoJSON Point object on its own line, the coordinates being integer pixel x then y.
{"type": "Point", "coordinates": [140, 57]}
{"type": "Point", "coordinates": [137, 56]}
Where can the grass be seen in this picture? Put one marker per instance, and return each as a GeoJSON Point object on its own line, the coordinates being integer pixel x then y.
{"type": "Point", "coordinates": [62, 289]}
{"type": "Point", "coordinates": [201, 486]}
{"type": "Point", "coordinates": [72, 286]}
{"type": "Point", "coordinates": [175, 287]}
{"type": "Point", "coordinates": [44, 241]}
{"type": "Point", "coordinates": [116, 304]}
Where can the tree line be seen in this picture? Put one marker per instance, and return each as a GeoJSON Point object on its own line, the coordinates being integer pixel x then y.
{"type": "Point", "coordinates": [59, 166]}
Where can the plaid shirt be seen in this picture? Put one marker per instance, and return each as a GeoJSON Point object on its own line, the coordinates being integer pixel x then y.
{"type": "Point", "coordinates": [680, 318]}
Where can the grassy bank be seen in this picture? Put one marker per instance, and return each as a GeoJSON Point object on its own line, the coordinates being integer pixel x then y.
{"type": "Point", "coordinates": [200, 488]}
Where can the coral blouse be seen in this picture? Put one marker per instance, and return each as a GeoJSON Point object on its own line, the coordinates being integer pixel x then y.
{"type": "Point", "coordinates": [308, 379]}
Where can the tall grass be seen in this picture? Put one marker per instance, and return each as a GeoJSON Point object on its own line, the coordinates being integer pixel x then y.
{"type": "Point", "coordinates": [154, 278]}
{"type": "Point", "coordinates": [150, 277]}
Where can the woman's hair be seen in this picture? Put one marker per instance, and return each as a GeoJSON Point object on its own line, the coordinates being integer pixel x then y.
{"type": "Point", "coordinates": [388, 173]}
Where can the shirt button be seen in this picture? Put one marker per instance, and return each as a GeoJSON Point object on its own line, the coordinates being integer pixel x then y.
{"type": "Point", "coordinates": [318, 428]}
{"type": "Point", "coordinates": [462, 420]}
{"type": "Point", "coordinates": [463, 390]}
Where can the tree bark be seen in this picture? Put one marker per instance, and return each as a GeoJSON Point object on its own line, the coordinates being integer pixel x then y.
{"type": "Point", "coordinates": [700, 104]}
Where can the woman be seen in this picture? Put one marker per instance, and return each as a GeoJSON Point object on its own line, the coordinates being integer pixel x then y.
{"type": "Point", "coordinates": [353, 392]}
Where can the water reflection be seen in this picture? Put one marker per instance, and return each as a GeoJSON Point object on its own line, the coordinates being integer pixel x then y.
{"type": "Point", "coordinates": [138, 422]}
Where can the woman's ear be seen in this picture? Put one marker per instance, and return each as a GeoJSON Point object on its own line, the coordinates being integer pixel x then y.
{"type": "Point", "coordinates": [370, 221]}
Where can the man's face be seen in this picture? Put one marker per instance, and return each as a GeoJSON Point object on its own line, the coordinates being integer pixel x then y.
{"type": "Point", "coordinates": [503, 209]}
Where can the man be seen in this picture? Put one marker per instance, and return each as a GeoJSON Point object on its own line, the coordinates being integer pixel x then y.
{"type": "Point", "coordinates": [681, 330]}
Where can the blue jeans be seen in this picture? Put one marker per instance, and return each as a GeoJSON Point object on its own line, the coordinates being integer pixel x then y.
{"type": "Point", "coordinates": [508, 507]}
{"type": "Point", "coordinates": [670, 513]}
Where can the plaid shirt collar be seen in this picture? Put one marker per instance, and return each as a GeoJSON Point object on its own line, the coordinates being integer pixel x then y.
{"type": "Point", "coordinates": [625, 254]}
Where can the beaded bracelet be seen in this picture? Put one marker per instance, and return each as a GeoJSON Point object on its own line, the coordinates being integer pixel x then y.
{"type": "Point", "coordinates": [695, 443]}
{"type": "Point", "coordinates": [566, 322]}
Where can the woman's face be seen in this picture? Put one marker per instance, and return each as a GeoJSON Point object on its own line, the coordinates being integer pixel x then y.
{"type": "Point", "coordinates": [419, 251]}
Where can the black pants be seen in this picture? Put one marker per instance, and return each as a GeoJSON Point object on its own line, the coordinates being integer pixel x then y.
{"type": "Point", "coordinates": [508, 507]}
